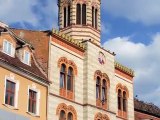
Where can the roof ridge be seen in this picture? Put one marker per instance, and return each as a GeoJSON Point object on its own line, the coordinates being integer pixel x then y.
{"type": "Point", "coordinates": [32, 30]}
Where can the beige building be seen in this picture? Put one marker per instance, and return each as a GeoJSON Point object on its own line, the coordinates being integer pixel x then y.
{"type": "Point", "coordinates": [23, 84]}
{"type": "Point", "coordinates": [87, 82]}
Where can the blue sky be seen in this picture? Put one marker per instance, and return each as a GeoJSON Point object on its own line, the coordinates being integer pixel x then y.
{"type": "Point", "coordinates": [130, 28]}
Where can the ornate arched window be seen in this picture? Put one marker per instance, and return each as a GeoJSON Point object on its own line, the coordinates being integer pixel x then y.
{"type": "Point", "coordinates": [70, 116]}
{"type": "Point", "coordinates": [100, 116]}
{"type": "Point", "coordinates": [69, 12]}
{"type": "Point", "coordinates": [104, 90]}
{"type": "Point", "coordinates": [62, 115]}
{"type": "Point", "coordinates": [65, 112]}
{"type": "Point", "coordinates": [78, 16]}
{"type": "Point", "coordinates": [98, 88]}
{"type": "Point", "coordinates": [102, 86]}
{"type": "Point", "coordinates": [123, 94]}
{"type": "Point", "coordinates": [119, 100]}
{"type": "Point", "coordinates": [96, 18]}
{"type": "Point", "coordinates": [64, 17]}
{"type": "Point", "coordinates": [84, 14]}
{"type": "Point", "coordinates": [63, 76]}
{"type": "Point", "coordinates": [70, 79]}
{"type": "Point", "coordinates": [68, 71]}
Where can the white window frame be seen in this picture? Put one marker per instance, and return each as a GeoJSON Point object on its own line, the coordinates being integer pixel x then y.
{"type": "Point", "coordinates": [8, 78]}
{"type": "Point", "coordinates": [12, 48]}
{"type": "Point", "coordinates": [37, 100]}
{"type": "Point", "coordinates": [29, 59]}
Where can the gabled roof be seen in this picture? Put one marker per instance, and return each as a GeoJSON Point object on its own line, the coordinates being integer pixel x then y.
{"type": "Point", "coordinates": [34, 69]}
{"type": "Point", "coordinates": [146, 108]}
{"type": "Point", "coordinates": [40, 41]}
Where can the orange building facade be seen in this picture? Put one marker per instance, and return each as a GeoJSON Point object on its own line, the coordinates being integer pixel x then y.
{"type": "Point", "coordinates": [23, 84]}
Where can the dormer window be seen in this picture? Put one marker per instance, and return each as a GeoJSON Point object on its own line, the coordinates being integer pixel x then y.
{"type": "Point", "coordinates": [8, 48]}
{"type": "Point", "coordinates": [26, 57]}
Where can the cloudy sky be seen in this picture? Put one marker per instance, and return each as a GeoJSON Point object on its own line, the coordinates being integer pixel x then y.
{"type": "Point", "coordinates": [131, 28]}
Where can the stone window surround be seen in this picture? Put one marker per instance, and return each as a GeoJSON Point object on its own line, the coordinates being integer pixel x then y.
{"type": "Point", "coordinates": [69, 94]}
{"type": "Point", "coordinates": [11, 78]}
{"type": "Point", "coordinates": [66, 109]}
{"type": "Point", "coordinates": [121, 113]}
{"type": "Point", "coordinates": [102, 76]}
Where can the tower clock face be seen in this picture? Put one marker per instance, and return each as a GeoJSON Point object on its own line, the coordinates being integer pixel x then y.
{"type": "Point", "coordinates": [101, 58]}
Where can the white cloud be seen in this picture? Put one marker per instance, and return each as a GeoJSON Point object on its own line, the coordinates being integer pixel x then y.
{"type": "Point", "coordinates": [144, 11]}
{"type": "Point", "coordinates": [144, 59]}
{"type": "Point", "coordinates": [30, 11]}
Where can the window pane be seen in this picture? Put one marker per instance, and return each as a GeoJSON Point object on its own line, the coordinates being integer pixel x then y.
{"type": "Point", "coordinates": [124, 102]}
{"type": "Point", "coordinates": [119, 100]}
{"type": "Point", "coordinates": [70, 116]}
{"type": "Point", "coordinates": [32, 101]}
{"type": "Point", "coordinates": [26, 57]}
{"type": "Point", "coordinates": [124, 105]}
{"type": "Point", "coordinates": [92, 16]}
{"type": "Point", "coordinates": [78, 14]}
{"type": "Point", "coordinates": [84, 14]}
{"type": "Point", "coordinates": [9, 51]}
{"type": "Point", "coordinates": [11, 99]}
{"type": "Point", "coordinates": [65, 17]}
{"type": "Point", "coordinates": [69, 15]}
{"type": "Point", "coordinates": [98, 88]}
{"type": "Point", "coordinates": [5, 46]}
{"type": "Point", "coordinates": [10, 93]}
{"type": "Point", "coordinates": [69, 83]}
{"type": "Point", "coordinates": [62, 80]}
{"type": "Point", "coordinates": [62, 115]}
{"type": "Point", "coordinates": [96, 24]}
{"type": "Point", "coordinates": [62, 76]}
{"type": "Point", "coordinates": [103, 93]}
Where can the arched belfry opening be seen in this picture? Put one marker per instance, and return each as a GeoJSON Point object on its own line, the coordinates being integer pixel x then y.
{"type": "Point", "coordinates": [80, 19]}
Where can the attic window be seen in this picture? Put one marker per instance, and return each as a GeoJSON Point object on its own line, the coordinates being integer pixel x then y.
{"type": "Point", "coordinates": [8, 48]}
{"type": "Point", "coordinates": [26, 57]}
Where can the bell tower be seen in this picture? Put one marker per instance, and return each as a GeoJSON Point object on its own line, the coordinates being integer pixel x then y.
{"type": "Point", "coordinates": [80, 19]}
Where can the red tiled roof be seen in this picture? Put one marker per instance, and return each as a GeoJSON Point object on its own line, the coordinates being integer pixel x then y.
{"type": "Point", "coordinates": [146, 108]}
{"type": "Point", "coordinates": [16, 63]}
{"type": "Point", "coordinates": [40, 42]}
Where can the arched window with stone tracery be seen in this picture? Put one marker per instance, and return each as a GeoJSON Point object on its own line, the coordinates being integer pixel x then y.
{"type": "Point", "coordinates": [65, 112]}
{"type": "Point", "coordinates": [102, 88]}
{"type": "Point", "coordinates": [68, 71]}
{"type": "Point", "coordinates": [122, 97]}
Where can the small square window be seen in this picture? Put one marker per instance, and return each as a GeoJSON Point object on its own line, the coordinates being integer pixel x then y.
{"type": "Point", "coordinates": [10, 93]}
{"type": "Point", "coordinates": [32, 101]}
{"type": "Point", "coordinates": [8, 48]}
{"type": "Point", "coordinates": [26, 58]}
